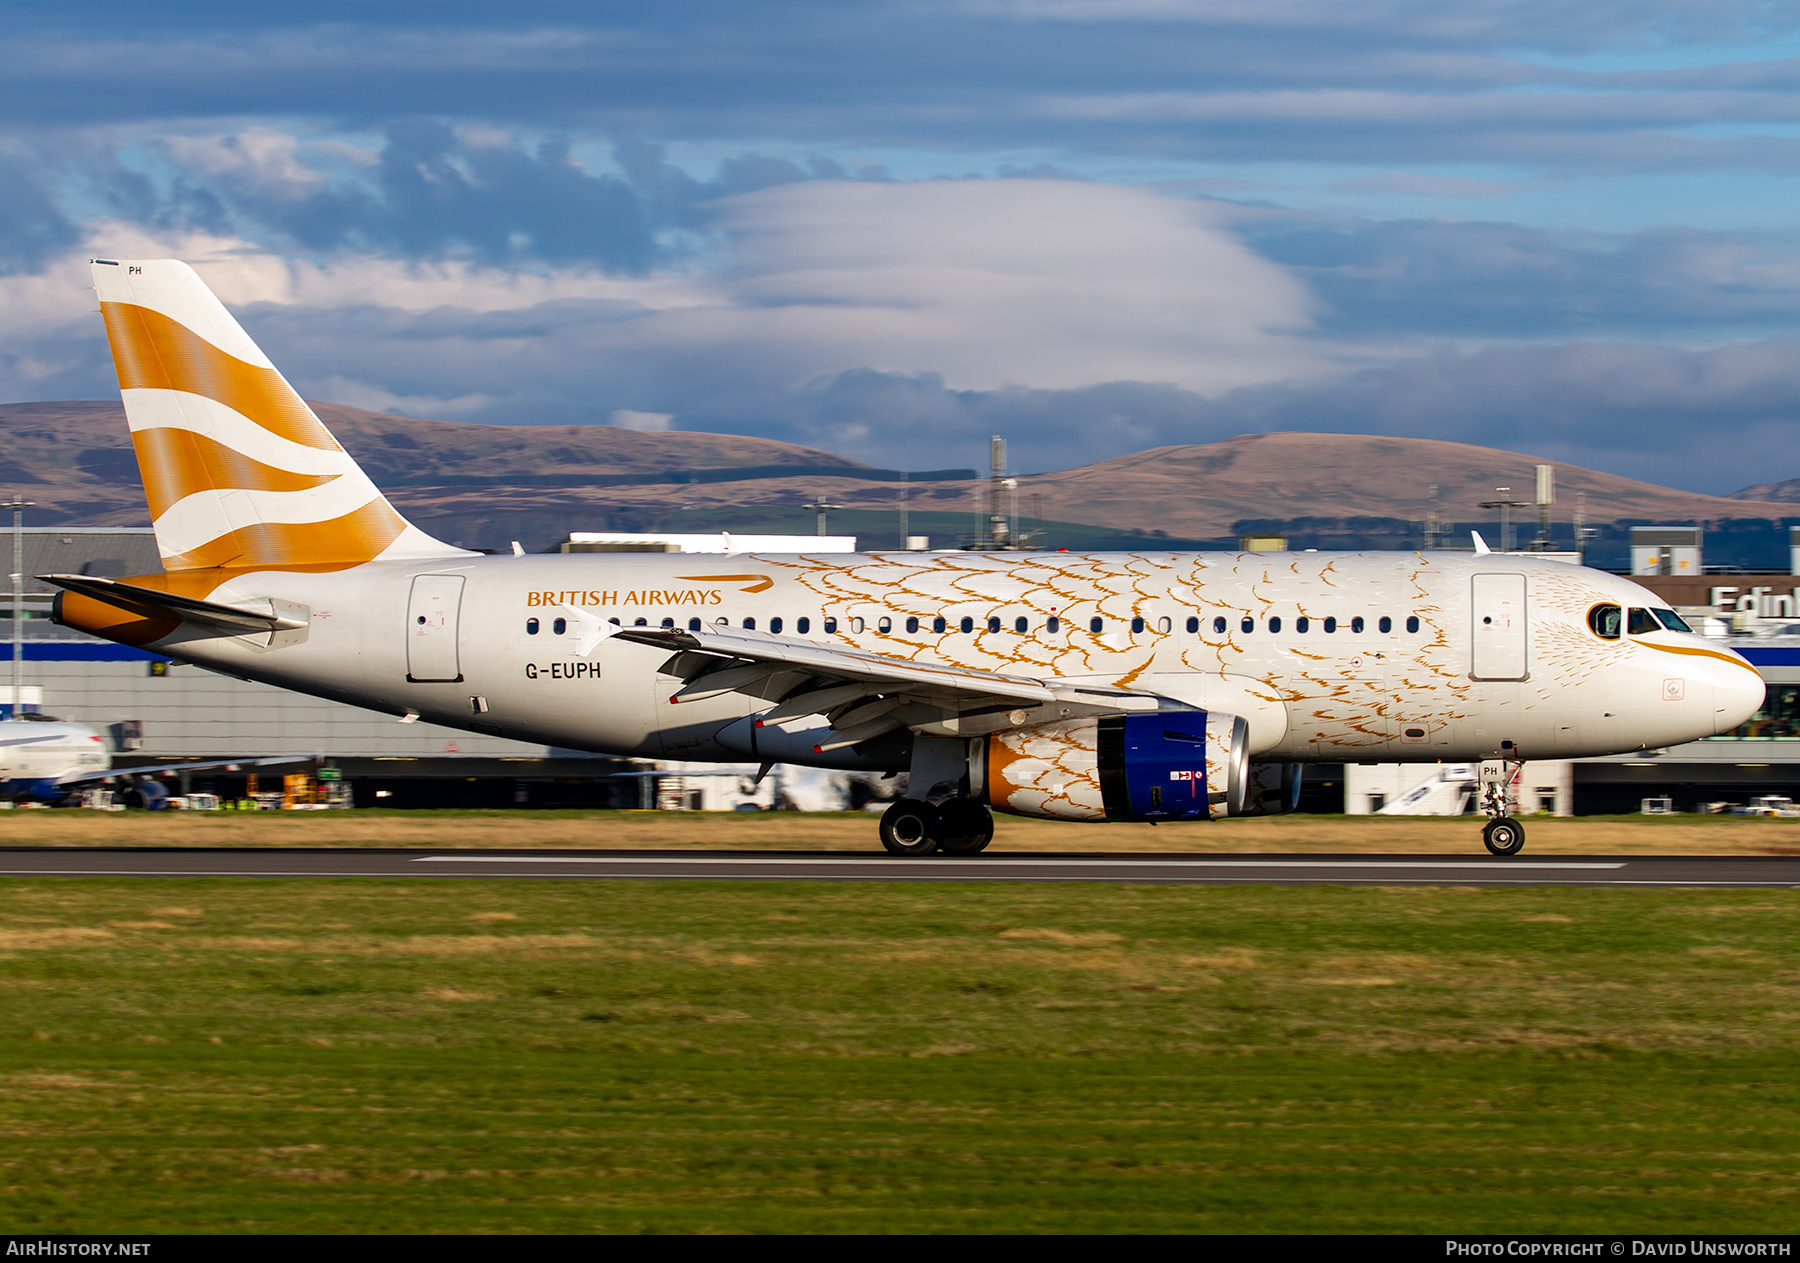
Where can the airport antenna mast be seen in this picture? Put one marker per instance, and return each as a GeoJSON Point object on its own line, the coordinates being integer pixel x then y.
{"type": "Point", "coordinates": [18, 504]}
{"type": "Point", "coordinates": [905, 524]}
{"type": "Point", "coordinates": [1546, 496]}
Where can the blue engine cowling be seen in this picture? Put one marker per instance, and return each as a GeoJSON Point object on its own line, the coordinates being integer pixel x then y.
{"type": "Point", "coordinates": [1166, 765]}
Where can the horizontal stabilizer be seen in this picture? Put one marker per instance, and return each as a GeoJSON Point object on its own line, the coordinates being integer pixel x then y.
{"type": "Point", "coordinates": [157, 604]}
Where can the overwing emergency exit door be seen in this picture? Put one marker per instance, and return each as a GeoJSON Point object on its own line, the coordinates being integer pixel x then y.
{"type": "Point", "coordinates": [431, 618]}
{"type": "Point", "coordinates": [1498, 646]}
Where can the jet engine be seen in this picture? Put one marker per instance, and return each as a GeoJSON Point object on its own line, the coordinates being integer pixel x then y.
{"type": "Point", "coordinates": [1170, 765]}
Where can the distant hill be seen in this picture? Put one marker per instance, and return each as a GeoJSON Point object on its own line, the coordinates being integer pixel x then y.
{"type": "Point", "coordinates": [1776, 492]}
{"type": "Point", "coordinates": [482, 485]}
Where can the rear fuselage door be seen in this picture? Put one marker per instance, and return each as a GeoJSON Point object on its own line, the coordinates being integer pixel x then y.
{"type": "Point", "coordinates": [1499, 632]}
{"type": "Point", "coordinates": [431, 629]}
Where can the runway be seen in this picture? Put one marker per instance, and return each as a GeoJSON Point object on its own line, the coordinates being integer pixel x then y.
{"type": "Point", "coordinates": [1287, 870]}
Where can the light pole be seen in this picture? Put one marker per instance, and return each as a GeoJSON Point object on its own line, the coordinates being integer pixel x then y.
{"type": "Point", "coordinates": [821, 506]}
{"type": "Point", "coordinates": [1505, 507]}
{"type": "Point", "coordinates": [18, 504]}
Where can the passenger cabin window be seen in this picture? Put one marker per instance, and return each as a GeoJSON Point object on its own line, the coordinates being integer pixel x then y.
{"type": "Point", "coordinates": [1247, 626]}
{"type": "Point", "coordinates": [1356, 625]}
{"type": "Point", "coordinates": [831, 627]}
{"type": "Point", "coordinates": [856, 626]}
{"type": "Point", "coordinates": [1021, 625]}
{"type": "Point", "coordinates": [1053, 626]}
{"type": "Point", "coordinates": [668, 622]}
{"type": "Point", "coordinates": [1385, 625]}
{"type": "Point", "coordinates": [749, 624]}
{"type": "Point", "coordinates": [560, 626]}
{"type": "Point", "coordinates": [912, 625]}
{"type": "Point", "coordinates": [1275, 625]}
{"type": "Point", "coordinates": [1303, 625]}
{"type": "Point", "coordinates": [1096, 625]}
{"type": "Point", "coordinates": [803, 625]}
{"type": "Point", "coordinates": [993, 624]}
{"type": "Point", "coordinates": [1193, 625]}
{"type": "Point", "coordinates": [1412, 624]}
{"type": "Point", "coordinates": [885, 626]}
{"type": "Point", "coordinates": [1672, 620]}
{"type": "Point", "coordinates": [775, 626]}
{"type": "Point", "coordinates": [937, 625]}
{"type": "Point", "coordinates": [1162, 625]}
{"type": "Point", "coordinates": [1137, 626]}
{"type": "Point", "coordinates": [1642, 622]}
{"type": "Point", "coordinates": [531, 627]}
{"type": "Point", "coordinates": [636, 622]}
{"type": "Point", "coordinates": [693, 624]}
{"type": "Point", "coordinates": [1603, 621]}
{"type": "Point", "coordinates": [967, 626]}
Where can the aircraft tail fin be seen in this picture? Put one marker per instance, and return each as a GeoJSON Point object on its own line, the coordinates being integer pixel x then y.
{"type": "Point", "coordinates": [239, 472]}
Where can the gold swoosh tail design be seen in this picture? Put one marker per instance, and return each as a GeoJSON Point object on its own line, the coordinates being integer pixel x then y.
{"type": "Point", "coordinates": [178, 463]}
{"type": "Point", "coordinates": [238, 471]}
{"type": "Point", "coordinates": [337, 544]}
{"type": "Point", "coordinates": [154, 352]}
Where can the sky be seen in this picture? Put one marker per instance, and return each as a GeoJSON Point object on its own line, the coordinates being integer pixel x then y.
{"type": "Point", "coordinates": [889, 229]}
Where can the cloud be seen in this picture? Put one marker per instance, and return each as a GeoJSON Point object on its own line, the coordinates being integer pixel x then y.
{"type": "Point", "coordinates": [1433, 279]}
{"type": "Point", "coordinates": [901, 323]}
{"type": "Point", "coordinates": [1386, 83]}
{"type": "Point", "coordinates": [1041, 283]}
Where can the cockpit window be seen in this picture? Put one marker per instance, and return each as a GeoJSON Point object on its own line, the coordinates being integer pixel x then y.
{"type": "Point", "coordinates": [1671, 620]}
{"type": "Point", "coordinates": [1642, 622]}
{"type": "Point", "coordinates": [1603, 621]}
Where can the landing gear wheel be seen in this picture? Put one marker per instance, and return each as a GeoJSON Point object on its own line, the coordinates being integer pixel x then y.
{"type": "Point", "coordinates": [910, 827]}
{"type": "Point", "coordinates": [1504, 836]}
{"type": "Point", "coordinates": [965, 827]}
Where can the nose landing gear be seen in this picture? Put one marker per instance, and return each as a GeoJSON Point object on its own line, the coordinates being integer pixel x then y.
{"type": "Point", "coordinates": [1502, 834]}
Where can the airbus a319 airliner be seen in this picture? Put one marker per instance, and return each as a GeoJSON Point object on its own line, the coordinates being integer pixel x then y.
{"type": "Point", "coordinates": [1144, 686]}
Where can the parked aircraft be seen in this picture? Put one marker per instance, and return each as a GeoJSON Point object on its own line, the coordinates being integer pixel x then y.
{"type": "Point", "coordinates": [43, 759]}
{"type": "Point", "coordinates": [46, 760]}
{"type": "Point", "coordinates": [1074, 686]}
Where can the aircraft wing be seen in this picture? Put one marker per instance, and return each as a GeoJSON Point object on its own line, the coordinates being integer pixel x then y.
{"type": "Point", "coordinates": [76, 777]}
{"type": "Point", "coordinates": [863, 694]}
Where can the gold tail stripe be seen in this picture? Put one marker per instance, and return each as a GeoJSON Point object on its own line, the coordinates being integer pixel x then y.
{"type": "Point", "coordinates": [153, 352]}
{"type": "Point", "coordinates": [177, 463]}
{"type": "Point", "coordinates": [339, 543]}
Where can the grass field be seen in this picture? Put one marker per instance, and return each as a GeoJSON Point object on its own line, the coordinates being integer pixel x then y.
{"type": "Point", "coordinates": [258, 1056]}
{"type": "Point", "coordinates": [792, 831]}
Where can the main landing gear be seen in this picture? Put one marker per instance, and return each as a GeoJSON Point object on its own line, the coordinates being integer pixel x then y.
{"type": "Point", "coordinates": [960, 826]}
{"type": "Point", "coordinates": [1502, 834]}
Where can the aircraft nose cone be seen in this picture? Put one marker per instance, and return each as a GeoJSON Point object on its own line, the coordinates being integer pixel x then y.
{"type": "Point", "coordinates": [1736, 697]}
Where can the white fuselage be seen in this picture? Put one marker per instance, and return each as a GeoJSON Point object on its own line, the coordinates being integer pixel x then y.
{"type": "Point", "coordinates": [1497, 667]}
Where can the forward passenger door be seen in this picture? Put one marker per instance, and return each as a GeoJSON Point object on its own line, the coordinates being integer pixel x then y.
{"type": "Point", "coordinates": [1498, 631]}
